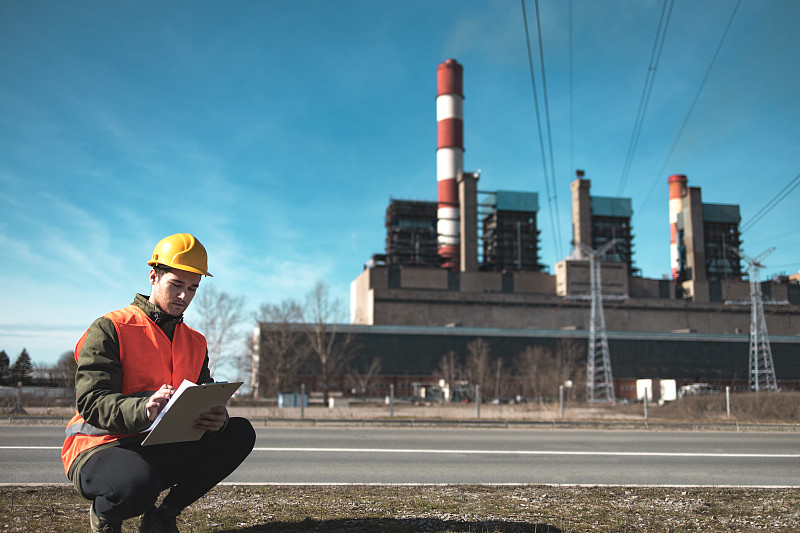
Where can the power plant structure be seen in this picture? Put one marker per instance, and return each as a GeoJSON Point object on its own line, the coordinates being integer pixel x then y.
{"type": "Point", "coordinates": [597, 220]}
{"type": "Point", "coordinates": [510, 234]}
{"type": "Point", "coordinates": [704, 241]}
{"type": "Point", "coordinates": [506, 236]}
{"type": "Point", "coordinates": [411, 234]}
{"type": "Point", "coordinates": [449, 156]}
{"type": "Point", "coordinates": [458, 269]}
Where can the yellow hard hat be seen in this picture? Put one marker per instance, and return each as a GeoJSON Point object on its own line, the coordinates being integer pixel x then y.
{"type": "Point", "coordinates": [181, 251]}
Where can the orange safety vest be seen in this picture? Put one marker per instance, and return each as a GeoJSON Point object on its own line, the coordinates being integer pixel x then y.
{"type": "Point", "coordinates": [149, 360]}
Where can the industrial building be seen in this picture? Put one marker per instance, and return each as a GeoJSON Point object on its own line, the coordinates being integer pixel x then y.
{"type": "Point", "coordinates": [411, 356]}
{"type": "Point", "coordinates": [510, 236]}
{"type": "Point", "coordinates": [704, 241]}
{"type": "Point", "coordinates": [479, 276]}
{"type": "Point", "coordinates": [657, 328]}
{"type": "Point", "coordinates": [411, 237]}
{"type": "Point", "coordinates": [598, 220]}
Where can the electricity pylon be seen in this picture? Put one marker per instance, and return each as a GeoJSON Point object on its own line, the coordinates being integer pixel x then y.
{"type": "Point", "coordinates": [599, 379]}
{"type": "Point", "coordinates": [762, 370]}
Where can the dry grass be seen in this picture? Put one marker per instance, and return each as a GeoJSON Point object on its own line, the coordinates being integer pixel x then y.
{"type": "Point", "coordinates": [762, 408]}
{"type": "Point", "coordinates": [357, 509]}
{"type": "Point", "coordinates": [746, 408]}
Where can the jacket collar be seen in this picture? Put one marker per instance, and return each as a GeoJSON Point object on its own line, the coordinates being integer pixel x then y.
{"type": "Point", "coordinates": [155, 313]}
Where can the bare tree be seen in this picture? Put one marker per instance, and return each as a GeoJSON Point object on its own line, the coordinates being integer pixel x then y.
{"type": "Point", "coordinates": [361, 380]}
{"type": "Point", "coordinates": [535, 365]}
{"type": "Point", "coordinates": [280, 348]}
{"type": "Point", "coordinates": [64, 371]}
{"type": "Point", "coordinates": [571, 364]}
{"type": "Point", "coordinates": [331, 349]}
{"type": "Point", "coordinates": [219, 316]}
{"type": "Point", "coordinates": [477, 364]}
{"type": "Point", "coordinates": [451, 371]}
{"type": "Point", "coordinates": [497, 365]}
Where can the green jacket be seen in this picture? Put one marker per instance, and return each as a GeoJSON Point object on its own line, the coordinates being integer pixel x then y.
{"type": "Point", "coordinates": [98, 382]}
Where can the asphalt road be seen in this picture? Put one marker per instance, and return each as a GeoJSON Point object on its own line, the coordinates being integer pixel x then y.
{"type": "Point", "coordinates": [293, 455]}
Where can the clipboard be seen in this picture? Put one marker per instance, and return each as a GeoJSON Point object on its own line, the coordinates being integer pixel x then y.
{"type": "Point", "coordinates": [175, 423]}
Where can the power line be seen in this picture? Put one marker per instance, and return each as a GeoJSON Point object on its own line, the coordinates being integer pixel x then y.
{"type": "Point", "coordinates": [649, 81]}
{"type": "Point", "coordinates": [782, 194]}
{"type": "Point", "coordinates": [692, 106]}
{"type": "Point", "coordinates": [547, 122]}
{"type": "Point", "coordinates": [770, 238]}
{"type": "Point", "coordinates": [539, 129]}
{"type": "Point", "coordinates": [571, 107]}
{"type": "Point", "coordinates": [787, 265]}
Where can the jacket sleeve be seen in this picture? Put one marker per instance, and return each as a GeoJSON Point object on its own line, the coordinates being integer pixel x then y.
{"type": "Point", "coordinates": [205, 377]}
{"type": "Point", "coordinates": [205, 373]}
{"type": "Point", "coordinates": [98, 384]}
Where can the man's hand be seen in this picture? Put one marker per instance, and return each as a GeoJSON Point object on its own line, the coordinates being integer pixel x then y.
{"type": "Point", "coordinates": [157, 401]}
{"type": "Point", "coordinates": [212, 420]}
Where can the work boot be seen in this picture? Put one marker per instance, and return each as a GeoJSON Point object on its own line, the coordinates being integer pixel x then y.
{"type": "Point", "coordinates": [101, 525]}
{"type": "Point", "coordinates": [161, 520]}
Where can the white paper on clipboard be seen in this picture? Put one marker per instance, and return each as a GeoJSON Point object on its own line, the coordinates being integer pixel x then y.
{"type": "Point", "coordinates": [175, 423]}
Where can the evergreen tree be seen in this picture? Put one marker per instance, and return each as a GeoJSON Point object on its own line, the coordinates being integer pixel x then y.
{"type": "Point", "coordinates": [5, 368]}
{"type": "Point", "coordinates": [22, 369]}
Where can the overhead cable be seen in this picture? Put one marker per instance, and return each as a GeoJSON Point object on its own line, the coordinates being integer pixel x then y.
{"type": "Point", "coordinates": [539, 129]}
{"type": "Point", "coordinates": [692, 106]}
{"type": "Point", "coordinates": [571, 107]}
{"type": "Point", "coordinates": [547, 122]}
{"type": "Point", "coordinates": [778, 198]}
{"type": "Point", "coordinates": [649, 81]}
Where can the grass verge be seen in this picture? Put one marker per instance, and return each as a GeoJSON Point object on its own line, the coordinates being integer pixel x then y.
{"type": "Point", "coordinates": [448, 508]}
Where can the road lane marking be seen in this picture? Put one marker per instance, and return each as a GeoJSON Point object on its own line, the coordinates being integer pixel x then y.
{"type": "Point", "coordinates": [30, 447]}
{"type": "Point", "coordinates": [528, 452]}
{"type": "Point", "coordinates": [488, 452]}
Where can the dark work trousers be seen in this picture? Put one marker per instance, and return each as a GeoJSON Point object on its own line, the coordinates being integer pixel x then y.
{"type": "Point", "coordinates": [125, 481]}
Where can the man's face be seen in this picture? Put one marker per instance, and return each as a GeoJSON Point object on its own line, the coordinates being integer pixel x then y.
{"type": "Point", "coordinates": [173, 290]}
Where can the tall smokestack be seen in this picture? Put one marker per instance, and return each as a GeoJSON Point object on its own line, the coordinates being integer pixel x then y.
{"type": "Point", "coordinates": [449, 157]}
{"type": "Point", "coordinates": [677, 190]}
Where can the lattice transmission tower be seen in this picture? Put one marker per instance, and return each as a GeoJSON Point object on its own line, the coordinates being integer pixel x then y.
{"type": "Point", "coordinates": [599, 378]}
{"type": "Point", "coordinates": [762, 370]}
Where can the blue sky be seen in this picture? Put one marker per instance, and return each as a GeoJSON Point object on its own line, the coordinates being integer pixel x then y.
{"type": "Point", "coordinates": [277, 132]}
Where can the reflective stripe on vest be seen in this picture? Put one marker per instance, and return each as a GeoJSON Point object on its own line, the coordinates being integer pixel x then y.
{"type": "Point", "coordinates": [148, 360]}
{"type": "Point", "coordinates": [78, 426]}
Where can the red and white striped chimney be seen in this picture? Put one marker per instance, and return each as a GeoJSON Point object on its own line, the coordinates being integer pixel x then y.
{"type": "Point", "coordinates": [677, 190]}
{"type": "Point", "coordinates": [449, 156]}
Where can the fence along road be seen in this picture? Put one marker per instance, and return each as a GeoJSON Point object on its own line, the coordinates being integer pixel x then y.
{"type": "Point", "coordinates": [330, 455]}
